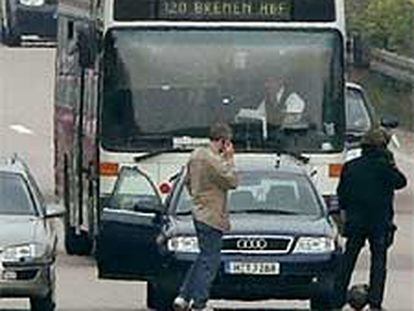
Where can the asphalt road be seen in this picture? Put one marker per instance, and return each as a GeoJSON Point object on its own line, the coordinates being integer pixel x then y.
{"type": "Point", "coordinates": [26, 91]}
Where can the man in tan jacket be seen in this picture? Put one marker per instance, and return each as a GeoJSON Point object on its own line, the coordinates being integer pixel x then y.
{"type": "Point", "coordinates": [210, 174]}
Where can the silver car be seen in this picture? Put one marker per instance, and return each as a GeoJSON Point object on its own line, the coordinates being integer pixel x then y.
{"type": "Point", "coordinates": [27, 238]}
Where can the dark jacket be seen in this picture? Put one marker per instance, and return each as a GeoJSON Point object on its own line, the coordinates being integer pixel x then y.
{"type": "Point", "coordinates": [366, 189]}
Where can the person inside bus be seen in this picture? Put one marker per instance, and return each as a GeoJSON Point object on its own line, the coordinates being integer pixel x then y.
{"type": "Point", "coordinates": [279, 108]}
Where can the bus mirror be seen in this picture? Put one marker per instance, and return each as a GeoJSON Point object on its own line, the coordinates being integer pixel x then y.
{"type": "Point", "coordinates": [389, 122]}
{"type": "Point", "coordinates": [87, 46]}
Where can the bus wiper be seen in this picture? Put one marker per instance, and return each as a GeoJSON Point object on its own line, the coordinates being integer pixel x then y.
{"type": "Point", "coordinates": [155, 153]}
{"type": "Point", "coordinates": [263, 211]}
{"type": "Point", "coordinates": [296, 155]}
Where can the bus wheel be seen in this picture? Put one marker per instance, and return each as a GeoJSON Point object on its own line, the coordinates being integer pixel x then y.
{"type": "Point", "coordinates": [78, 243]}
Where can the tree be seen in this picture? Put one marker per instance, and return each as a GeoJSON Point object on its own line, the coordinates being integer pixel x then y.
{"type": "Point", "coordinates": [386, 24]}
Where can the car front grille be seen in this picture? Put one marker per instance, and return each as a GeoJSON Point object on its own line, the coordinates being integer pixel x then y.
{"type": "Point", "coordinates": [27, 274]}
{"type": "Point", "coordinates": [257, 244]}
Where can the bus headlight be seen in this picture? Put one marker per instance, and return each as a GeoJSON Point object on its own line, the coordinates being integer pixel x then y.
{"type": "Point", "coordinates": [184, 244]}
{"type": "Point", "coordinates": [314, 245]}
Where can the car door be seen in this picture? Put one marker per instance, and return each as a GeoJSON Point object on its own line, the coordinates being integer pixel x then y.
{"type": "Point", "coordinates": [129, 226]}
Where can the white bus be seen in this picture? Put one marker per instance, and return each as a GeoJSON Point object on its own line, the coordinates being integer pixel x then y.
{"type": "Point", "coordinates": [140, 82]}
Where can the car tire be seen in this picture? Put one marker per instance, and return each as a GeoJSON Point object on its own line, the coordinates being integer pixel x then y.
{"type": "Point", "coordinates": [158, 297]}
{"type": "Point", "coordinates": [43, 303]}
{"type": "Point", "coordinates": [10, 38]}
{"type": "Point", "coordinates": [324, 298]}
{"type": "Point", "coordinates": [47, 303]}
{"type": "Point", "coordinates": [320, 304]}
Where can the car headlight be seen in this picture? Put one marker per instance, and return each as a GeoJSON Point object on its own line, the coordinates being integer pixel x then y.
{"type": "Point", "coordinates": [185, 244]}
{"type": "Point", "coordinates": [21, 253]}
{"type": "Point", "coordinates": [314, 245]}
{"type": "Point", "coordinates": [32, 2]}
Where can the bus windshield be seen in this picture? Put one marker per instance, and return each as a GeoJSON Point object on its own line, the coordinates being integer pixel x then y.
{"type": "Point", "coordinates": [279, 89]}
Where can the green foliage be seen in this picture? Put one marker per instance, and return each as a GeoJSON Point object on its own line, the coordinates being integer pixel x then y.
{"type": "Point", "coordinates": [387, 24]}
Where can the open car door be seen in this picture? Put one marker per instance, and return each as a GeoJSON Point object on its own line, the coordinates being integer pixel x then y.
{"type": "Point", "coordinates": [129, 226]}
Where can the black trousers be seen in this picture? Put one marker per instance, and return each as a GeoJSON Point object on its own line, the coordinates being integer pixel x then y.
{"type": "Point", "coordinates": [379, 242]}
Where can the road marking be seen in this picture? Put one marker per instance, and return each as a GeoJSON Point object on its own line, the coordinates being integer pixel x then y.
{"type": "Point", "coordinates": [21, 129]}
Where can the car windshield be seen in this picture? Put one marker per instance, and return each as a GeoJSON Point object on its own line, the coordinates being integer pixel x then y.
{"type": "Point", "coordinates": [266, 192]}
{"type": "Point", "coordinates": [279, 89]}
{"type": "Point", "coordinates": [357, 113]}
{"type": "Point", "coordinates": [15, 198]}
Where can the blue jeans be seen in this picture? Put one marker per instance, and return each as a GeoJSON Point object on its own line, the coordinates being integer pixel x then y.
{"type": "Point", "coordinates": [200, 276]}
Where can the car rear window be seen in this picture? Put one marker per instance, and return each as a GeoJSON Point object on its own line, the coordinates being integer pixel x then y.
{"type": "Point", "coordinates": [15, 197]}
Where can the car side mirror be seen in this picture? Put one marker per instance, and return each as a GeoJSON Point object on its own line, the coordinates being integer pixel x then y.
{"type": "Point", "coordinates": [54, 211]}
{"type": "Point", "coordinates": [389, 122]}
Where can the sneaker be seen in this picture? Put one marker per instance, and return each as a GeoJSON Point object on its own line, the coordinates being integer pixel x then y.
{"type": "Point", "coordinates": [180, 304]}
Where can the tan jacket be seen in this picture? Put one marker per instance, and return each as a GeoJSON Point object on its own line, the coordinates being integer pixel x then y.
{"type": "Point", "coordinates": [209, 177]}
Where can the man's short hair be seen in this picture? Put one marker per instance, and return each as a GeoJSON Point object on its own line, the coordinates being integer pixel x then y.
{"type": "Point", "coordinates": [376, 138]}
{"type": "Point", "coordinates": [220, 131]}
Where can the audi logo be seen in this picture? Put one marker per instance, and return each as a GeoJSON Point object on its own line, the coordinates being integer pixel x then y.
{"type": "Point", "coordinates": [251, 244]}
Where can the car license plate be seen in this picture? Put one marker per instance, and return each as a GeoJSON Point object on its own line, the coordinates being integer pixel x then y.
{"type": "Point", "coordinates": [256, 268]}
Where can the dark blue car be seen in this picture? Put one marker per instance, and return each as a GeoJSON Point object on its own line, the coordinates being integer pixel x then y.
{"type": "Point", "coordinates": [37, 18]}
{"type": "Point", "coordinates": [282, 245]}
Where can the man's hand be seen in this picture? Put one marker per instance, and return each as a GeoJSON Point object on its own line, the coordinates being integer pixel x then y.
{"type": "Point", "coordinates": [228, 152]}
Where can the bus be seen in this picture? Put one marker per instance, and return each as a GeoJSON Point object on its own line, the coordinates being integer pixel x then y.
{"type": "Point", "coordinates": [32, 19]}
{"type": "Point", "coordinates": [140, 82]}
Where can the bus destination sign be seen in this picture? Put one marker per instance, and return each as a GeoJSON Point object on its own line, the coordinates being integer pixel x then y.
{"type": "Point", "coordinates": [225, 10]}
{"type": "Point", "coordinates": [278, 10]}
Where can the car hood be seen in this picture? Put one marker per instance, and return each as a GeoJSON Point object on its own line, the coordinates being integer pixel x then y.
{"type": "Point", "coordinates": [266, 225]}
{"type": "Point", "coordinates": [17, 230]}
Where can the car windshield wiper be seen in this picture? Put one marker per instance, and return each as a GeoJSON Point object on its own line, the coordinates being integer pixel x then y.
{"type": "Point", "coordinates": [184, 213]}
{"type": "Point", "coordinates": [263, 211]}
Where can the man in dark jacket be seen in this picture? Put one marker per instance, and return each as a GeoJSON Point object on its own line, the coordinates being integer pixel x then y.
{"type": "Point", "coordinates": [366, 193]}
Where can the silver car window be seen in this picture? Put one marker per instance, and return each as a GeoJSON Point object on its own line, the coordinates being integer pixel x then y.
{"type": "Point", "coordinates": [15, 197]}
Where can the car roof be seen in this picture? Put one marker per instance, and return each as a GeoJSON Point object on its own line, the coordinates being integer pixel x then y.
{"type": "Point", "coordinates": [13, 165]}
{"type": "Point", "coordinates": [267, 167]}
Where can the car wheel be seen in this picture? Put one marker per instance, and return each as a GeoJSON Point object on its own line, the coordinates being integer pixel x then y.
{"type": "Point", "coordinates": [43, 303]}
{"type": "Point", "coordinates": [324, 298]}
{"type": "Point", "coordinates": [10, 38]}
{"type": "Point", "coordinates": [47, 303]}
{"type": "Point", "coordinates": [320, 304]}
{"type": "Point", "coordinates": [158, 297]}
